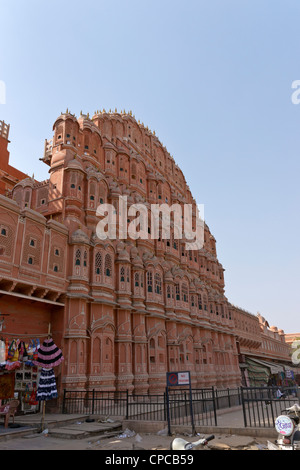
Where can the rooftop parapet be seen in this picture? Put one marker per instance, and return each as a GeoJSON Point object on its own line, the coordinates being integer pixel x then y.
{"type": "Point", "coordinates": [4, 130]}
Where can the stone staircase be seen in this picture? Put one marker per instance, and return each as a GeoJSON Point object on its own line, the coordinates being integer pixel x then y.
{"type": "Point", "coordinates": [63, 426]}
{"type": "Point", "coordinates": [84, 429]}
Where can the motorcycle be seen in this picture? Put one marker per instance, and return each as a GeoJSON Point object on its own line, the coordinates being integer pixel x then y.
{"type": "Point", "coordinates": [181, 444]}
{"type": "Point", "coordinates": [287, 426]}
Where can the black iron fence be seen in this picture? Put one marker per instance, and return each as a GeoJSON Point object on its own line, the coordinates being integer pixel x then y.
{"type": "Point", "coordinates": [262, 405]}
{"type": "Point", "coordinates": [228, 398]}
{"type": "Point", "coordinates": [177, 406]}
{"type": "Point", "coordinates": [95, 402]}
{"type": "Point", "coordinates": [191, 407]}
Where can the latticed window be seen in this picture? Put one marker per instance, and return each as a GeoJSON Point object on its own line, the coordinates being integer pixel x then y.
{"type": "Point", "coordinates": [133, 171]}
{"type": "Point", "coordinates": [85, 259]}
{"type": "Point", "coordinates": [185, 292]}
{"type": "Point", "coordinates": [102, 193]}
{"type": "Point", "coordinates": [92, 191]}
{"type": "Point", "coordinates": [78, 258]}
{"type": "Point", "coordinates": [177, 290]}
{"type": "Point", "coordinates": [136, 279]}
{"type": "Point", "coordinates": [168, 292]}
{"type": "Point", "coordinates": [98, 263]}
{"type": "Point", "coordinates": [157, 279]}
{"type": "Point", "coordinates": [108, 266]}
{"type": "Point", "coordinates": [222, 312]}
{"type": "Point", "coordinates": [200, 301]}
{"type": "Point", "coordinates": [122, 274]}
{"type": "Point", "coordinates": [150, 282]}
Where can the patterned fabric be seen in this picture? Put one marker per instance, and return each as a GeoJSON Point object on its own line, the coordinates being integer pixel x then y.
{"type": "Point", "coordinates": [2, 351]}
{"type": "Point", "coordinates": [47, 389]}
{"type": "Point", "coordinates": [49, 355]}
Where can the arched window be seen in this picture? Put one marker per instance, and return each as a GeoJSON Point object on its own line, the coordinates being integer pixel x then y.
{"type": "Point", "coordinates": [157, 280]}
{"type": "Point", "coordinates": [185, 292]}
{"type": "Point", "coordinates": [133, 171]}
{"type": "Point", "coordinates": [159, 191]}
{"type": "Point", "coordinates": [98, 263]}
{"type": "Point", "coordinates": [108, 266]}
{"type": "Point", "coordinates": [177, 288]}
{"type": "Point", "coordinates": [168, 292]}
{"type": "Point", "coordinates": [102, 193]}
{"type": "Point", "coordinates": [149, 281]}
{"type": "Point", "coordinates": [77, 258]}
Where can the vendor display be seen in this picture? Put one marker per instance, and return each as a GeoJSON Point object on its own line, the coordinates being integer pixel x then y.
{"type": "Point", "coordinates": [26, 371]}
{"type": "Point", "coordinates": [16, 352]}
{"type": "Point", "coordinates": [19, 375]}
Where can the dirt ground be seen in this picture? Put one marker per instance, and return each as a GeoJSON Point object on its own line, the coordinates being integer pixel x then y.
{"type": "Point", "coordinates": [137, 442]}
{"type": "Point", "coordinates": [161, 442]}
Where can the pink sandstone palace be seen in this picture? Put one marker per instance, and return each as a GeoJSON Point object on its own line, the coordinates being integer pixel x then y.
{"type": "Point", "coordinates": [124, 312]}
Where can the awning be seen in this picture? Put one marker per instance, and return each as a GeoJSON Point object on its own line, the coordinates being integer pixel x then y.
{"type": "Point", "coordinates": [258, 372]}
{"type": "Point", "coordinates": [274, 368]}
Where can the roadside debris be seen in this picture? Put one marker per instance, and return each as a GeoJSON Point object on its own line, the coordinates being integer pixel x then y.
{"type": "Point", "coordinates": [126, 433]}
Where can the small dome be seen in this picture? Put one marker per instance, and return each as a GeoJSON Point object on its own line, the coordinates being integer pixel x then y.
{"type": "Point", "coordinates": [123, 255]}
{"type": "Point", "coordinates": [79, 237]}
{"type": "Point", "coordinates": [75, 164]}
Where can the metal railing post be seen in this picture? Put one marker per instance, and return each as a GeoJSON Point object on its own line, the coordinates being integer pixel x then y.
{"type": "Point", "coordinates": [64, 400]}
{"type": "Point", "coordinates": [243, 405]}
{"type": "Point", "coordinates": [127, 404]}
{"type": "Point", "coordinates": [214, 405]}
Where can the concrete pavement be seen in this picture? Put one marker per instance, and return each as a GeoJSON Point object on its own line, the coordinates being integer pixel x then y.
{"type": "Point", "coordinates": [74, 432]}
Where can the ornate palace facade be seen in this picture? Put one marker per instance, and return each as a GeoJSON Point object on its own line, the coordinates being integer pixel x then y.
{"type": "Point", "coordinates": [124, 312]}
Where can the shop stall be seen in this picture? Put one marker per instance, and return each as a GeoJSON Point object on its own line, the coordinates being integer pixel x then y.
{"type": "Point", "coordinates": [19, 375]}
{"type": "Point", "coordinates": [26, 367]}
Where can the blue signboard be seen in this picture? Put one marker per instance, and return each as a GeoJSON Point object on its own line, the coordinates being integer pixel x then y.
{"type": "Point", "coordinates": [178, 378]}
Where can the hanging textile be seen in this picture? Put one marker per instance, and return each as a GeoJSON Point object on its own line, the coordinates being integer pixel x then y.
{"type": "Point", "coordinates": [259, 373]}
{"type": "Point", "coordinates": [49, 355]}
{"type": "Point", "coordinates": [47, 389]}
{"type": "Point", "coordinates": [7, 386]}
{"type": "Point", "coordinates": [2, 351]}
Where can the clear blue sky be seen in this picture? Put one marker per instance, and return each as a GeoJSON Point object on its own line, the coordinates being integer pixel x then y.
{"type": "Point", "coordinates": [213, 79]}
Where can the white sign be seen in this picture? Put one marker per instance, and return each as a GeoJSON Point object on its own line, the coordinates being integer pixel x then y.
{"type": "Point", "coordinates": [183, 378]}
{"type": "Point", "coordinates": [284, 425]}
